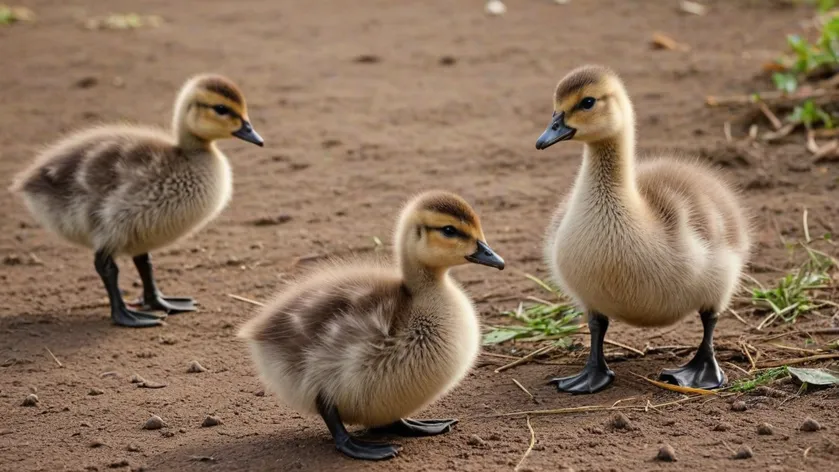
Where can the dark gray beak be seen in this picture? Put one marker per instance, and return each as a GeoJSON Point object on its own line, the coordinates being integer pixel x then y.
{"type": "Point", "coordinates": [247, 133]}
{"type": "Point", "coordinates": [556, 132]}
{"type": "Point", "coordinates": [486, 256]}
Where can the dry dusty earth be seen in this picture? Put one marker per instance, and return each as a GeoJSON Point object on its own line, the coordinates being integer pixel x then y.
{"type": "Point", "coordinates": [363, 103]}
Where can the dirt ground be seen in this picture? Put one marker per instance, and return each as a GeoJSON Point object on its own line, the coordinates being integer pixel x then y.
{"type": "Point", "coordinates": [361, 104]}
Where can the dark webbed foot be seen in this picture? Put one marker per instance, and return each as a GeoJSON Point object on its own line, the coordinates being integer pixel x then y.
{"type": "Point", "coordinates": [135, 319]}
{"type": "Point", "coordinates": [591, 379]}
{"type": "Point", "coordinates": [171, 305]}
{"type": "Point", "coordinates": [702, 371]}
{"type": "Point", "coordinates": [364, 450]}
{"type": "Point", "coordinates": [596, 375]}
{"type": "Point", "coordinates": [350, 446]}
{"type": "Point", "coordinates": [415, 428]}
{"type": "Point", "coordinates": [152, 299]}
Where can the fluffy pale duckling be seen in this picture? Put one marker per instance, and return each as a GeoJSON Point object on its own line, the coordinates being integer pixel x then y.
{"type": "Point", "coordinates": [645, 243]}
{"type": "Point", "coordinates": [369, 344]}
{"type": "Point", "coordinates": [130, 190]}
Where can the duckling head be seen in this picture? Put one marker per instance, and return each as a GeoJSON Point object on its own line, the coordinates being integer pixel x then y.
{"type": "Point", "coordinates": [211, 107]}
{"type": "Point", "coordinates": [439, 230]}
{"type": "Point", "coordinates": [590, 105]}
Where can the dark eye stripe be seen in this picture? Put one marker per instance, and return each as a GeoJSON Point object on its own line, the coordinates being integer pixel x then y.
{"type": "Point", "coordinates": [458, 234]}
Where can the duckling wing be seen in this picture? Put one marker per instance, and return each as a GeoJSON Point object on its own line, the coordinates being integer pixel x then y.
{"type": "Point", "coordinates": [683, 193]}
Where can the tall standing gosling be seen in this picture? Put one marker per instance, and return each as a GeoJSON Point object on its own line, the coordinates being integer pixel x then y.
{"type": "Point", "coordinates": [645, 243]}
{"type": "Point", "coordinates": [130, 190]}
{"type": "Point", "coordinates": [368, 344]}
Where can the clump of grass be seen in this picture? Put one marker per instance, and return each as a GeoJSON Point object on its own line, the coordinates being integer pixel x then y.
{"type": "Point", "coordinates": [762, 377]}
{"type": "Point", "coordinates": [10, 15]}
{"type": "Point", "coordinates": [808, 60]}
{"type": "Point", "coordinates": [794, 294]}
{"type": "Point", "coordinates": [539, 321]}
{"type": "Point", "coordinates": [123, 21]}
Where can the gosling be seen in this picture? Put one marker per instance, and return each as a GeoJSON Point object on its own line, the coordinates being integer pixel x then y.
{"type": "Point", "coordinates": [369, 344]}
{"type": "Point", "coordinates": [645, 243]}
{"type": "Point", "coordinates": [130, 190]}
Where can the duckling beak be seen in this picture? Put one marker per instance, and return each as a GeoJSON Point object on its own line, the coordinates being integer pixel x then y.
{"type": "Point", "coordinates": [247, 133]}
{"type": "Point", "coordinates": [486, 256]}
{"type": "Point", "coordinates": [557, 131]}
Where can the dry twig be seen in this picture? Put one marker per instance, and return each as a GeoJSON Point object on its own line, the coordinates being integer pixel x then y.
{"type": "Point", "coordinates": [540, 351]}
{"type": "Point", "coordinates": [530, 447]}
{"type": "Point", "coordinates": [246, 300]}
{"type": "Point", "coordinates": [54, 358]}
{"type": "Point", "coordinates": [519, 385]}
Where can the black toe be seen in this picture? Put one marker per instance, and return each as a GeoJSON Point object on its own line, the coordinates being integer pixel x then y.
{"type": "Point", "coordinates": [589, 380]}
{"type": "Point", "coordinates": [363, 450]}
{"type": "Point", "coordinates": [135, 319]}
{"type": "Point", "coordinates": [415, 428]}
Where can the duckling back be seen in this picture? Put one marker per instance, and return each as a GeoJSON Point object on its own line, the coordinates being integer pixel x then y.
{"type": "Point", "coordinates": [358, 337]}
{"type": "Point", "coordinates": [124, 189]}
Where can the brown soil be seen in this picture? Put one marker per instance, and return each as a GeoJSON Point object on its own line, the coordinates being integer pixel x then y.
{"type": "Point", "coordinates": [361, 104]}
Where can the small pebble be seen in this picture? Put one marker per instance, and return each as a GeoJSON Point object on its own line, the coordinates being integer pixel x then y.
{"type": "Point", "coordinates": [182, 430]}
{"type": "Point", "coordinates": [168, 434]}
{"type": "Point", "coordinates": [765, 429]}
{"type": "Point", "coordinates": [620, 421]}
{"type": "Point", "coordinates": [119, 464]}
{"type": "Point", "coordinates": [132, 448]}
{"type": "Point", "coordinates": [745, 452]}
{"type": "Point", "coordinates": [135, 379]}
{"type": "Point", "coordinates": [494, 437]}
{"type": "Point", "coordinates": [155, 422]}
{"type": "Point", "coordinates": [810, 425]}
{"type": "Point", "coordinates": [95, 391]}
{"type": "Point", "coordinates": [666, 454]}
{"type": "Point", "coordinates": [96, 443]}
{"type": "Point", "coordinates": [210, 421]}
{"type": "Point", "coordinates": [722, 427]}
{"type": "Point", "coordinates": [85, 424]}
{"type": "Point", "coordinates": [195, 368]}
{"type": "Point", "coordinates": [475, 440]}
{"type": "Point", "coordinates": [30, 400]}
{"type": "Point", "coordinates": [739, 405]}
{"type": "Point", "coordinates": [260, 393]}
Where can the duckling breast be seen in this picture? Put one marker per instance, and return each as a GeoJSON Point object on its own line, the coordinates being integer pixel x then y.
{"type": "Point", "coordinates": [155, 206]}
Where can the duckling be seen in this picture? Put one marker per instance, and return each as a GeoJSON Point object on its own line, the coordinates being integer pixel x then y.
{"type": "Point", "coordinates": [370, 344]}
{"type": "Point", "coordinates": [646, 242]}
{"type": "Point", "coordinates": [130, 190]}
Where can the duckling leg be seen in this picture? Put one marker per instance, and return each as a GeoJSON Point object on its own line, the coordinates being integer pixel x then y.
{"type": "Point", "coordinates": [152, 298]}
{"type": "Point", "coordinates": [352, 447]}
{"type": "Point", "coordinates": [596, 375]}
{"type": "Point", "coordinates": [109, 273]}
{"type": "Point", "coordinates": [702, 371]}
{"type": "Point", "coordinates": [408, 427]}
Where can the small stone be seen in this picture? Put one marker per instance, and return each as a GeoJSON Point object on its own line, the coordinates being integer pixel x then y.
{"type": "Point", "coordinates": [119, 464]}
{"type": "Point", "coordinates": [132, 448]}
{"type": "Point", "coordinates": [12, 260]}
{"type": "Point", "coordinates": [87, 82]}
{"type": "Point", "coordinates": [367, 59]}
{"type": "Point", "coordinates": [721, 427]}
{"type": "Point", "coordinates": [195, 368]}
{"type": "Point", "coordinates": [210, 421]}
{"type": "Point", "coordinates": [85, 424]}
{"type": "Point", "coordinates": [739, 405]}
{"type": "Point", "coordinates": [167, 340]}
{"type": "Point", "coordinates": [494, 437]}
{"type": "Point", "coordinates": [810, 425]}
{"type": "Point", "coordinates": [666, 453]}
{"type": "Point", "coordinates": [447, 61]}
{"type": "Point", "coordinates": [168, 434]}
{"type": "Point", "coordinates": [110, 373]}
{"type": "Point", "coordinates": [150, 384]}
{"type": "Point", "coordinates": [155, 422]}
{"type": "Point", "coordinates": [620, 421]}
{"type": "Point", "coordinates": [271, 221]}
{"type": "Point", "coordinates": [135, 379]}
{"type": "Point", "coordinates": [765, 429]}
{"type": "Point", "coordinates": [475, 440]}
{"type": "Point", "coordinates": [96, 443]}
{"type": "Point", "coordinates": [30, 400]}
{"type": "Point", "coordinates": [745, 452]}
{"type": "Point", "coordinates": [182, 430]}
{"type": "Point", "coordinates": [95, 391]}
{"type": "Point", "coordinates": [259, 393]}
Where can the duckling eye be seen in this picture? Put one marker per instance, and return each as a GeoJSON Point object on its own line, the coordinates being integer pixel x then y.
{"type": "Point", "coordinates": [221, 110]}
{"type": "Point", "coordinates": [587, 103]}
{"type": "Point", "coordinates": [449, 231]}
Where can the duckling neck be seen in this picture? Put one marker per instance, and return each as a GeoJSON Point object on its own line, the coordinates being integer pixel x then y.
{"type": "Point", "coordinates": [184, 138]}
{"type": "Point", "coordinates": [609, 166]}
{"type": "Point", "coordinates": [418, 277]}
